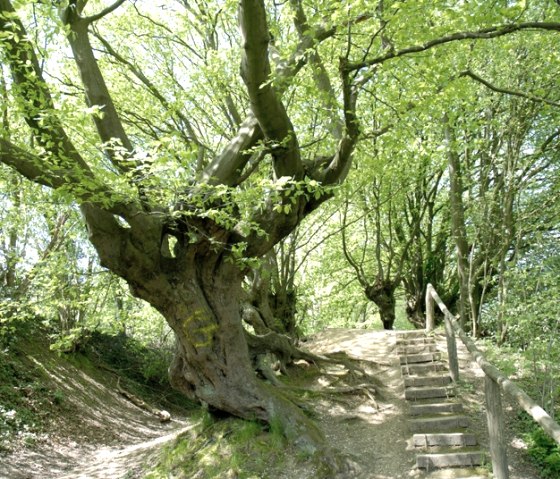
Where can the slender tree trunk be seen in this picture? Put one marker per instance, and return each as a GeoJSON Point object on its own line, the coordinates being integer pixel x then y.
{"type": "Point", "coordinates": [458, 219]}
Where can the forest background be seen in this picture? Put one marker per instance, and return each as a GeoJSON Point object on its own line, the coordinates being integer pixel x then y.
{"type": "Point", "coordinates": [362, 153]}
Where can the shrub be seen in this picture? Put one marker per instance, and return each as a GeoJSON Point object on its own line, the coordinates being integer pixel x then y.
{"type": "Point", "coordinates": [138, 362]}
{"type": "Point", "coordinates": [545, 453]}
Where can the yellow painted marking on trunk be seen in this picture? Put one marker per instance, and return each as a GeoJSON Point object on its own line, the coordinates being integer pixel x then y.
{"type": "Point", "coordinates": [206, 329]}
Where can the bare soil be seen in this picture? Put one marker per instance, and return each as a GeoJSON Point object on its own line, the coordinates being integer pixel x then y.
{"type": "Point", "coordinates": [102, 435]}
{"type": "Point", "coordinates": [96, 432]}
{"type": "Point", "coordinates": [380, 438]}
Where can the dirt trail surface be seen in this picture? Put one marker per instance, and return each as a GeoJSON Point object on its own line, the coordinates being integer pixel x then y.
{"type": "Point", "coordinates": [379, 436]}
{"type": "Point", "coordinates": [375, 434]}
{"type": "Point", "coordinates": [112, 438]}
{"type": "Point", "coordinates": [99, 435]}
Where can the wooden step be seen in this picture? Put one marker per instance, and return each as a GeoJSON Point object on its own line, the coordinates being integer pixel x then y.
{"type": "Point", "coordinates": [422, 368]}
{"type": "Point", "coordinates": [450, 459]}
{"type": "Point", "coordinates": [458, 473]}
{"type": "Point", "coordinates": [430, 392]}
{"type": "Point", "coordinates": [444, 439]}
{"type": "Point", "coordinates": [435, 408]}
{"type": "Point", "coordinates": [413, 333]}
{"type": "Point", "coordinates": [416, 348]}
{"type": "Point", "coordinates": [420, 358]}
{"type": "Point", "coordinates": [427, 425]}
{"type": "Point", "coordinates": [415, 341]}
{"type": "Point", "coordinates": [418, 381]}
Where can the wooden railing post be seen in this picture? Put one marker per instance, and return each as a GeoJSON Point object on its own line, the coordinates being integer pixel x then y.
{"type": "Point", "coordinates": [430, 309]}
{"type": "Point", "coordinates": [451, 349]}
{"type": "Point", "coordinates": [495, 417]}
{"type": "Point", "coordinates": [494, 383]}
{"type": "Point", "coordinates": [449, 332]}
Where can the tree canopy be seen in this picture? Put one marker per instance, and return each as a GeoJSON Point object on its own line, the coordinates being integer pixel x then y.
{"type": "Point", "coordinates": [196, 136]}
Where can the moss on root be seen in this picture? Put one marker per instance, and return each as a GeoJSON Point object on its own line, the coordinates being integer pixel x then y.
{"type": "Point", "coordinates": [231, 448]}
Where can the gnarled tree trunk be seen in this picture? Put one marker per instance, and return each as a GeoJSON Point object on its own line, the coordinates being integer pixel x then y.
{"type": "Point", "coordinates": [382, 293]}
{"type": "Point", "coordinates": [415, 311]}
{"type": "Point", "coordinates": [198, 291]}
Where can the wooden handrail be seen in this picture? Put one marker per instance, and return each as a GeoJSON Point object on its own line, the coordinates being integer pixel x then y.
{"type": "Point", "coordinates": [431, 296]}
{"type": "Point", "coordinates": [495, 381]}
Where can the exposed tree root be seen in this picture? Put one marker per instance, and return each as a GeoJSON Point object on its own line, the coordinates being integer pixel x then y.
{"type": "Point", "coordinates": [366, 389]}
{"type": "Point", "coordinates": [332, 464]}
{"type": "Point", "coordinates": [266, 370]}
{"type": "Point", "coordinates": [284, 349]}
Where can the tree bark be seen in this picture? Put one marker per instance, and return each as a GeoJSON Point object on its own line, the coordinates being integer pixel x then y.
{"type": "Point", "coordinates": [458, 220]}
{"type": "Point", "coordinates": [199, 292]}
{"type": "Point", "coordinates": [382, 293]}
{"type": "Point", "coordinates": [415, 311]}
{"type": "Point", "coordinates": [212, 363]}
{"type": "Point", "coordinates": [271, 301]}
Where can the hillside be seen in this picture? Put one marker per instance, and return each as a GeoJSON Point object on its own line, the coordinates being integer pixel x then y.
{"type": "Point", "coordinates": [89, 430]}
{"type": "Point", "coordinates": [63, 413]}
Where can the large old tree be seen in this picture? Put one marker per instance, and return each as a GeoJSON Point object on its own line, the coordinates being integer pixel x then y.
{"type": "Point", "coordinates": [184, 176]}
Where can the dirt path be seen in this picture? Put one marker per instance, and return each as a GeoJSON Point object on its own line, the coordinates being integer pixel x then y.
{"type": "Point", "coordinates": [97, 434]}
{"type": "Point", "coordinates": [376, 434]}
{"type": "Point", "coordinates": [125, 461]}
{"type": "Point", "coordinates": [379, 436]}
{"type": "Point", "coordinates": [112, 438]}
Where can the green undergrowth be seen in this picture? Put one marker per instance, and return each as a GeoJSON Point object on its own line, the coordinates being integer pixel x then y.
{"type": "Point", "coordinates": [34, 402]}
{"type": "Point", "coordinates": [545, 453]}
{"type": "Point", "coordinates": [227, 448]}
{"type": "Point", "coordinates": [141, 369]}
{"type": "Point", "coordinates": [27, 397]}
{"type": "Point", "coordinates": [542, 449]}
{"type": "Point", "coordinates": [532, 373]}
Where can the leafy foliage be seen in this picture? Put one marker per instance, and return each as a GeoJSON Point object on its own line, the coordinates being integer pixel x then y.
{"type": "Point", "coordinates": [532, 310]}
{"type": "Point", "coordinates": [186, 172]}
{"type": "Point", "coordinates": [130, 357]}
{"type": "Point", "coordinates": [545, 453]}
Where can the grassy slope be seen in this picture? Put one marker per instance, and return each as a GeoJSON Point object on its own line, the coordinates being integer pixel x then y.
{"type": "Point", "coordinates": [57, 410]}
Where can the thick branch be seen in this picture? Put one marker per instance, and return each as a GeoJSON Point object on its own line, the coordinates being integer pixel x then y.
{"type": "Point", "coordinates": [37, 105]}
{"type": "Point", "coordinates": [80, 182]}
{"type": "Point", "coordinates": [337, 170]}
{"type": "Point", "coordinates": [226, 168]}
{"type": "Point", "coordinates": [107, 236]}
{"type": "Point", "coordinates": [107, 121]}
{"type": "Point", "coordinates": [485, 33]}
{"type": "Point", "coordinates": [28, 165]}
{"type": "Point", "coordinates": [320, 75]}
{"type": "Point", "coordinates": [265, 101]}
{"type": "Point", "coordinates": [62, 165]}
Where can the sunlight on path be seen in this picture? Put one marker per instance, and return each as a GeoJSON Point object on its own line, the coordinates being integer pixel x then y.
{"type": "Point", "coordinates": [121, 461]}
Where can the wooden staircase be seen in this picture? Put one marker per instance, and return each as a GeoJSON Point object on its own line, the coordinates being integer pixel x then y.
{"type": "Point", "coordinates": [437, 423]}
